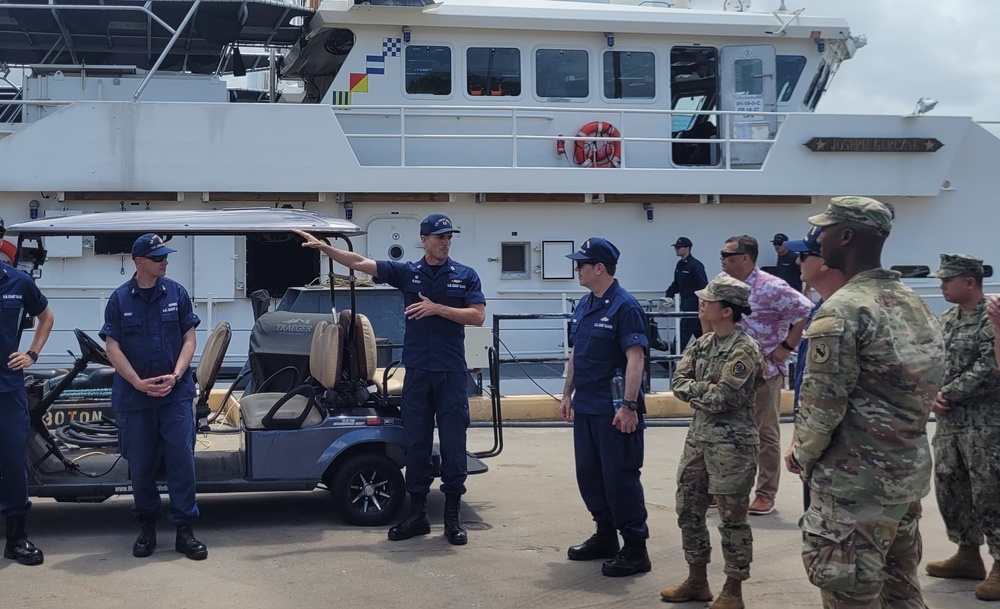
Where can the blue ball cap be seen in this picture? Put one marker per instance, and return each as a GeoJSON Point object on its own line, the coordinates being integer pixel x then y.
{"type": "Point", "coordinates": [437, 224]}
{"type": "Point", "coordinates": [598, 250]}
{"type": "Point", "coordinates": [809, 244]}
{"type": "Point", "coordinates": [150, 244]}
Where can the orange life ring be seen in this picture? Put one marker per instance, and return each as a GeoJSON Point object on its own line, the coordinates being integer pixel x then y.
{"type": "Point", "coordinates": [7, 251]}
{"type": "Point", "coordinates": [598, 153]}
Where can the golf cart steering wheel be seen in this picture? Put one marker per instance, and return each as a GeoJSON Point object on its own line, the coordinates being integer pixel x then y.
{"type": "Point", "coordinates": [90, 349]}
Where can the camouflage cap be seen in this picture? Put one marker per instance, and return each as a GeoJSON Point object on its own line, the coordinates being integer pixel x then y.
{"type": "Point", "coordinates": [728, 289]}
{"type": "Point", "coordinates": [858, 211]}
{"type": "Point", "coordinates": [958, 264]}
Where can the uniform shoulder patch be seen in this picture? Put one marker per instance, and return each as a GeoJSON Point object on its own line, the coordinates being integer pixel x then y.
{"type": "Point", "coordinates": [819, 352]}
{"type": "Point", "coordinates": [739, 369]}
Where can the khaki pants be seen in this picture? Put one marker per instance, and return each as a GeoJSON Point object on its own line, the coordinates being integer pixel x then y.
{"type": "Point", "coordinates": [765, 415]}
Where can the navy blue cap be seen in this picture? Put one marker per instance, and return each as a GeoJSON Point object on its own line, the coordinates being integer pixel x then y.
{"type": "Point", "coordinates": [150, 245]}
{"type": "Point", "coordinates": [683, 242]}
{"type": "Point", "coordinates": [779, 238]}
{"type": "Point", "coordinates": [598, 250]}
{"type": "Point", "coordinates": [437, 224]}
{"type": "Point", "coordinates": [809, 244]}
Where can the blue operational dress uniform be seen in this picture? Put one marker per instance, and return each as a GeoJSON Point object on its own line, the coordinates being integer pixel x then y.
{"type": "Point", "coordinates": [608, 462]}
{"type": "Point", "coordinates": [689, 277]}
{"type": "Point", "coordinates": [436, 381]}
{"type": "Point", "coordinates": [18, 293]}
{"type": "Point", "coordinates": [149, 326]}
{"type": "Point", "coordinates": [786, 267]}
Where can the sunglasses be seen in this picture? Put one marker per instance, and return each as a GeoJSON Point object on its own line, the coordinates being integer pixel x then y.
{"type": "Point", "coordinates": [726, 254]}
{"type": "Point", "coordinates": [804, 255]}
{"type": "Point", "coordinates": [159, 258]}
{"type": "Point", "coordinates": [582, 263]}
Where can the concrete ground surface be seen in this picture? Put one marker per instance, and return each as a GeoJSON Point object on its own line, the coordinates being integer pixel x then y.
{"type": "Point", "coordinates": [287, 549]}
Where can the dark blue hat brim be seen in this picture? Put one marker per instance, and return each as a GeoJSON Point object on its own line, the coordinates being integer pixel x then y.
{"type": "Point", "coordinates": [799, 246]}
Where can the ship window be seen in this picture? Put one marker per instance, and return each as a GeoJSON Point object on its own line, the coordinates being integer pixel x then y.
{"type": "Point", "coordinates": [428, 70]}
{"type": "Point", "coordinates": [824, 77]}
{"type": "Point", "coordinates": [514, 261]}
{"type": "Point", "coordinates": [749, 77]}
{"type": "Point", "coordinates": [562, 73]}
{"type": "Point", "coordinates": [789, 68]}
{"type": "Point", "coordinates": [493, 71]}
{"type": "Point", "coordinates": [629, 74]}
{"type": "Point", "coordinates": [694, 88]}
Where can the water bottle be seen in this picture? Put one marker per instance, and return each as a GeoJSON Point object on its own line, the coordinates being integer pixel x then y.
{"type": "Point", "coordinates": [617, 390]}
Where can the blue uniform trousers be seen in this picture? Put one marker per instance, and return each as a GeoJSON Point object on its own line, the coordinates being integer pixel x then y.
{"type": "Point", "coordinates": [608, 464]}
{"type": "Point", "coordinates": [428, 396]}
{"type": "Point", "coordinates": [14, 427]}
{"type": "Point", "coordinates": [690, 327]}
{"type": "Point", "coordinates": [146, 436]}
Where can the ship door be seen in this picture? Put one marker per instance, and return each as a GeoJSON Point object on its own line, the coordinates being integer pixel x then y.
{"type": "Point", "coordinates": [748, 86]}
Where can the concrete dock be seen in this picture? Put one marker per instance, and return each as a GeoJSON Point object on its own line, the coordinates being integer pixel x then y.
{"type": "Point", "coordinates": [288, 550]}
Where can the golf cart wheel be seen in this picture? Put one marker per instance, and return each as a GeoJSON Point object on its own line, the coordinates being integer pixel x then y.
{"type": "Point", "coordinates": [367, 490]}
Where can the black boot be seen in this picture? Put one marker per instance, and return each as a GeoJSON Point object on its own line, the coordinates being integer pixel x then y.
{"type": "Point", "coordinates": [631, 560]}
{"type": "Point", "coordinates": [602, 544]}
{"type": "Point", "coordinates": [453, 529]}
{"type": "Point", "coordinates": [416, 523]}
{"type": "Point", "coordinates": [145, 543]}
{"type": "Point", "coordinates": [18, 547]}
{"type": "Point", "coordinates": [187, 545]}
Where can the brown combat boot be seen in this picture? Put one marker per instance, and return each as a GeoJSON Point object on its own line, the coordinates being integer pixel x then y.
{"type": "Point", "coordinates": [966, 564]}
{"type": "Point", "coordinates": [694, 588]}
{"type": "Point", "coordinates": [731, 596]}
{"type": "Point", "coordinates": [989, 590]}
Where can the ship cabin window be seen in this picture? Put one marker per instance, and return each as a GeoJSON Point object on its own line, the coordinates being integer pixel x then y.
{"type": "Point", "coordinates": [749, 77]}
{"type": "Point", "coordinates": [428, 70]}
{"type": "Point", "coordinates": [789, 68]}
{"type": "Point", "coordinates": [817, 86]}
{"type": "Point", "coordinates": [493, 71]}
{"type": "Point", "coordinates": [562, 73]}
{"type": "Point", "coordinates": [694, 88]}
{"type": "Point", "coordinates": [629, 75]}
{"type": "Point", "coordinates": [514, 260]}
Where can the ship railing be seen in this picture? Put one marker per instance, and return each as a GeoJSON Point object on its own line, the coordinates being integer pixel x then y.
{"type": "Point", "coordinates": [736, 129]}
{"type": "Point", "coordinates": [505, 356]}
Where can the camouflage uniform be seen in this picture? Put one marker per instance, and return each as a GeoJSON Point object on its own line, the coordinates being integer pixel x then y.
{"type": "Point", "coordinates": [719, 376]}
{"type": "Point", "coordinates": [871, 374]}
{"type": "Point", "coordinates": [967, 464]}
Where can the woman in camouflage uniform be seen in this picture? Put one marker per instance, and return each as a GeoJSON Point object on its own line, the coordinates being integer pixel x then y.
{"type": "Point", "coordinates": [719, 377]}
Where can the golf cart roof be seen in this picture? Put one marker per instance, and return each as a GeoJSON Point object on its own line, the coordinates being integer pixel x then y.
{"type": "Point", "coordinates": [240, 221]}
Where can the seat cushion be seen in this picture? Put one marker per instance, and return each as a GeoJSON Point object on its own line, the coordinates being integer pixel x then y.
{"type": "Point", "coordinates": [253, 409]}
{"type": "Point", "coordinates": [394, 386]}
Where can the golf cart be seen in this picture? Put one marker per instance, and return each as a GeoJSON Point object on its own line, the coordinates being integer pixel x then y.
{"type": "Point", "coordinates": [320, 412]}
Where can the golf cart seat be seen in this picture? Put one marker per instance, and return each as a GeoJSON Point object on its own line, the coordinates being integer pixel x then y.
{"type": "Point", "coordinates": [363, 357]}
{"type": "Point", "coordinates": [299, 407]}
{"type": "Point", "coordinates": [208, 370]}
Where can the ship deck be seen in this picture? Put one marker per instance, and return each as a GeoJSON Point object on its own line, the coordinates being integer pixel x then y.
{"type": "Point", "coordinates": [287, 550]}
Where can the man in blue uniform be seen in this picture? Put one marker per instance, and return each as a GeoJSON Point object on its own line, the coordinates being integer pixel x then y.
{"type": "Point", "coordinates": [689, 277]}
{"type": "Point", "coordinates": [441, 297]}
{"type": "Point", "coordinates": [19, 294]}
{"type": "Point", "coordinates": [149, 327]}
{"type": "Point", "coordinates": [786, 266]}
{"type": "Point", "coordinates": [608, 337]}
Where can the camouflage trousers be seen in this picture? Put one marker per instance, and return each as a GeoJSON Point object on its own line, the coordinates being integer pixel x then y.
{"type": "Point", "coordinates": [967, 484]}
{"type": "Point", "coordinates": [861, 555]}
{"type": "Point", "coordinates": [726, 471]}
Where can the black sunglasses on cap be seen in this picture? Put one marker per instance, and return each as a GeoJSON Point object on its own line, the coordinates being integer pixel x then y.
{"type": "Point", "coordinates": [582, 263]}
{"type": "Point", "coordinates": [159, 258]}
{"type": "Point", "coordinates": [804, 255]}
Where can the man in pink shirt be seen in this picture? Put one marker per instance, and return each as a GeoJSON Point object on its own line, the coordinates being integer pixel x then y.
{"type": "Point", "coordinates": [779, 315]}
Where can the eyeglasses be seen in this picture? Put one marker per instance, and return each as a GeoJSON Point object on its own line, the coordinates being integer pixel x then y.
{"type": "Point", "coordinates": [726, 254]}
{"type": "Point", "coordinates": [159, 258]}
{"type": "Point", "coordinates": [804, 255]}
{"type": "Point", "coordinates": [582, 263]}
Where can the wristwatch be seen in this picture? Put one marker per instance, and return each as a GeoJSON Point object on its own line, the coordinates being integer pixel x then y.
{"type": "Point", "coordinates": [630, 404]}
{"type": "Point", "coordinates": [32, 355]}
{"type": "Point", "coordinates": [177, 378]}
{"type": "Point", "coordinates": [786, 346]}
